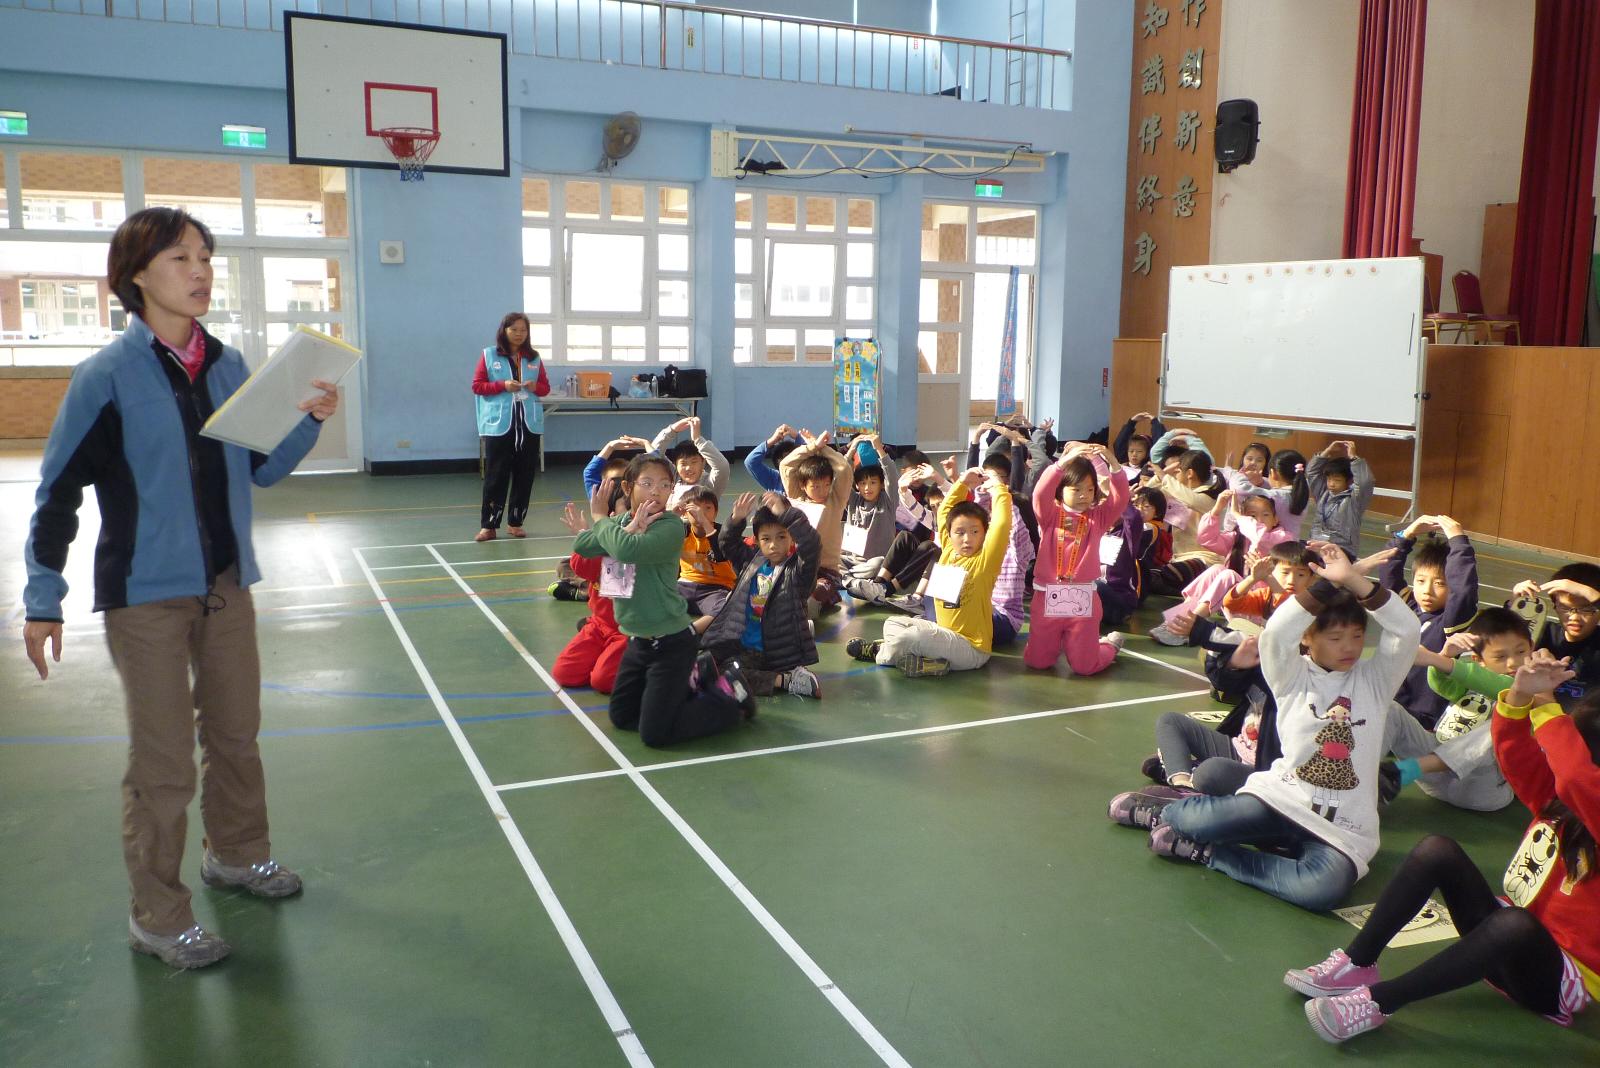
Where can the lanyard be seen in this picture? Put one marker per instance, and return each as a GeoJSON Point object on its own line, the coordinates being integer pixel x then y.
{"type": "Point", "coordinates": [1075, 526]}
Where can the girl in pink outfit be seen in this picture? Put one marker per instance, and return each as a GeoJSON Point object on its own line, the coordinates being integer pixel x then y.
{"type": "Point", "coordinates": [1256, 531]}
{"type": "Point", "coordinates": [1073, 514]}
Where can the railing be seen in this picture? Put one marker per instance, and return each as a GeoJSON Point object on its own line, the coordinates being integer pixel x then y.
{"type": "Point", "coordinates": [668, 35]}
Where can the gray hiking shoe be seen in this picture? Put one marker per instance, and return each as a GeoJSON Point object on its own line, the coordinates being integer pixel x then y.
{"type": "Point", "coordinates": [909, 602]}
{"type": "Point", "coordinates": [194, 948]}
{"type": "Point", "coordinates": [916, 666]}
{"type": "Point", "coordinates": [803, 682]}
{"type": "Point", "coordinates": [266, 879]}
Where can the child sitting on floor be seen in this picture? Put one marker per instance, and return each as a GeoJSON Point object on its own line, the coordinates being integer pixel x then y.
{"type": "Point", "coordinates": [1443, 592]}
{"type": "Point", "coordinates": [1133, 447]}
{"type": "Point", "coordinates": [592, 656]}
{"type": "Point", "coordinates": [1341, 487]}
{"type": "Point", "coordinates": [869, 511]}
{"type": "Point", "coordinates": [1256, 531]}
{"type": "Point", "coordinates": [1320, 797]}
{"type": "Point", "coordinates": [1121, 549]}
{"type": "Point", "coordinates": [1539, 945]}
{"type": "Point", "coordinates": [1273, 579]}
{"type": "Point", "coordinates": [696, 461]}
{"type": "Point", "coordinates": [1573, 592]}
{"type": "Point", "coordinates": [1156, 553]}
{"type": "Point", "coordinates": [974, 548]}
{"type": "Point", "coordinates": [1191, 488]}
{"type": "Point", "coordinates": [816, 480]}
{"type": "Point", "coordinates": [1073, 515]}
{"type": "Point", "coordinates": [1285, 483]}
{"type": "Point", "coordinates": [705, 577]}
{"type": "Point", "coordinates": [762, 629]}
{"type": "Point", "coordinates": [763, 460]}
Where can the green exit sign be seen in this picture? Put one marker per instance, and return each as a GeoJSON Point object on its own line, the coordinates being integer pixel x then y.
{"type": "Point", "coordinates": [244, 137]}
{"type": "Point", "coordinates": [14, 123]}
{"type": "Point", "coordinates": [988, 188]}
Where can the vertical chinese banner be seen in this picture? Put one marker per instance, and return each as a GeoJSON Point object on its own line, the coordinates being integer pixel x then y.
{"type": "Point", "coordinates": [855, 386]}
{"type": "Point", "coordinates": [1006, 395]}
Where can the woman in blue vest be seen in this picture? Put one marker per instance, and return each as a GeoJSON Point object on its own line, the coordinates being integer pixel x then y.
{"type": "Point", "coordinates": [509, 382]}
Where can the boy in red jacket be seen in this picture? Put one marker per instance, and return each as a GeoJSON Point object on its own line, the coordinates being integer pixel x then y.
{"type": "Point", "coordinates": [592, 656]}
{"type": "Point", "coordinates": [1539, 944]}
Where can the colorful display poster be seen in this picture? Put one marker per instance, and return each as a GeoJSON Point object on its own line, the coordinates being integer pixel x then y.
{"type": "Point", "coordinates": [1005, 403]}
{"type": "Point", "coordinates": [855, 386]}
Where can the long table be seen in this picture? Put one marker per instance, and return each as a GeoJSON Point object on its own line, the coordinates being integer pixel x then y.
{"type": "Point", "coordinates": [687, 407]}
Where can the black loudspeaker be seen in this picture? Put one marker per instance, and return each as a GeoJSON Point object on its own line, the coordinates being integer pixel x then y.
{"type": "Point", "coordinates": [1238, 126]}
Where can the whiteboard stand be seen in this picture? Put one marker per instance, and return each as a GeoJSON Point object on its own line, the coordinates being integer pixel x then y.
{"type": "Point", "coordinates": [1413, 434]}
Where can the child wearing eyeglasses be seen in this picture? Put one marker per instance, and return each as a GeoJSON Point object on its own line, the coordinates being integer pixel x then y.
{"type": "Point", "coordinates": [1573, 594]}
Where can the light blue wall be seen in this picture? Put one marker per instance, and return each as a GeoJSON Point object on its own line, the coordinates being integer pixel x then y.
{"type": "Point", "coordinates": [424, 321]}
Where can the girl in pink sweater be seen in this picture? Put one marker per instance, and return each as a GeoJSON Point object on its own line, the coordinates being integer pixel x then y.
{"type": "Point", "coordinates": [1255, 530]}
{"type": "Point", "coordinates": [1073, 514]}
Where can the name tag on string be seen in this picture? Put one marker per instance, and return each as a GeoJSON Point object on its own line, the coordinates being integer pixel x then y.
{"type": "Point", "coordinates": [945, 583]}
{"type": "Point", "coordinates": [616, 579]}
{"type": "Point", "coordinates": [855, 541]}
{"type": "Point", "coordinates": [1179, 515]}
{"type": "Point", "coordinates": [813, 512]}
{"type": "Point", "coordinates": [1068, 600]}
{"type": "Point", "coordinates": [1110, 549]}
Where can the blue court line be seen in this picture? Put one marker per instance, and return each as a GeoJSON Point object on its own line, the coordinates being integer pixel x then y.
{"type": "Point", "coordinates": [360, 728]}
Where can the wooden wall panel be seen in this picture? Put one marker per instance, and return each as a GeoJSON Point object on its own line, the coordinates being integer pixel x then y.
{"type": "Point", "coordinates": [1586, 516]}
{"type": "Point", "coordinates": [1178, 239]}
{"type": "Point", "coordinates": [1540, 505]}
{"type": "Point", "coordinates": [1494, 262]}
{"type": "Point", "coordinates": [1477, 457]}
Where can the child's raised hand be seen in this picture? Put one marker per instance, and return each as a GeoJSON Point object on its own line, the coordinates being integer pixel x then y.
{"type": "Point", "coordinates": [776, 502]}
{"type": "Point", "coordinates": [1261, 569]}
{"type": "Point", "coordinates": [1224, 499]}
{"type": "Point", "coordinates": [1335, 566]}
{"type": "Point", "coordinates": [600, 499]}
{"type": "Point", "coordinates": [742, 507]}
{"type": "Point", "coordinates": [644, 517]}
{"type": "Point", "coordinates": [1572, 588]}
{"type": "Point", "coordinates": [574, 518]}
{"type": "Point", "coordinates": [973, 477]}
{"type": "Point", "coordinates": [1460, 644]}
{"type": "Point", "coordinates": [1142, 417]}
{"type": "Point", "coordinates": [1541, 673]}
{"type": "Point", "coordinates": [1417, 526]}
{"type": "Point", "coordinates": [1448, 527]}
{"type": "Point", "coordinates": [1047, 425]}
{"type": "Point", "coordinates": [1181, 624]}
{"type": "Point", "coordinates": [950, 468]}
{"type": "Point", "coordinates": [1246, 655]}
{"type": "Point", "coordinates": [1526, 588]}
{"type": "Point", "coordinates": [1368, 564]}
{"type": "Point", "coordinates": [693, 426]}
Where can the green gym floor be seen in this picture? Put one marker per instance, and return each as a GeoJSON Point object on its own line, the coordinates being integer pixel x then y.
{"type": "Point", "coordinates": [909, 871]}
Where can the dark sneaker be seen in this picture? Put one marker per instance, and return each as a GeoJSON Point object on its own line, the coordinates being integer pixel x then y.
{"type": "Point", "coordinates": [194, 948]}
{"type": "Point", "coordinates": [861, 649]}
{"type": "Point", "coordinates": [1152, 769]}
{"type": "Point", "coordinates": [1336, 975]}
{"type": "Point", "coordinates": [565, 590]}
{"type": "Point", "coordinates": [704, 672]}
{"type": "Point", "coordinates": [916, 666]}
{"type": "Point", "coordinates": [1137, 809]}
{"type": "Point", "coordinates": [731, 684]}
{"type": "Point", "coordinates": [1344, 1016]}
{"type": "Point", "coordinates": [909, 603]}
{"type": "Point", "coordinates": [265, 879]}
{"type": "Point", "coordinates": [1166, 842]}
{"type": "Point", "coordinates": [803, 682]}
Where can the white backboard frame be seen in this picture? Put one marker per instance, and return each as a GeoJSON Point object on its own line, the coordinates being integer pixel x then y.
{"type": "Point", "coordinates": [346, 78]}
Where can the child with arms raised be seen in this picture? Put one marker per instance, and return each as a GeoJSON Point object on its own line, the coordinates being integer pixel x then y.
{"type": "Point", "coordinates": [817, 480]}
{"type": "Point", "coordinates": [762, 627]}
{"type": "Point", "coordinates": [974, 548]}
{"type": "Point", "coordinates": [869, 512]}
{"type": "Point", "coordinates": [1334, 724]}
{"type": "Point", "coordinates": [1341, 488]}
{"type": "Point", "coordinates": [1574, 594]}
{"type": "Point", "coordinates": [696, 461]}
{"type": "Point", "coordinates": [642, 547]}
{"type": "Point", "coordinates": [1073, 514]}
{"type": "Point", "coordinates": [705, 577]}
{"type": "Point", "coordinates": [1539, 945]}
{"type": "Point", "coordinates": [1443, 592]}
{"type": "Point", "coordinates": [592, 656]}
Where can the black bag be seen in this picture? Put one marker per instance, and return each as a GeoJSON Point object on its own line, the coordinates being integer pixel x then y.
{"type": "Point", "coordinates": [689, 382]}
{"type": "Point", "coordinates": [667, 382]}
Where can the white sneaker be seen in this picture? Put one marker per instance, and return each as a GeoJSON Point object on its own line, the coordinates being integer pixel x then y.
{"type": "Point", "coordinates": [803, 682]}
{"type": "Point", "coordinates": [1116, 639]}
{"type": "Point", "coordinates": [1161, 634]}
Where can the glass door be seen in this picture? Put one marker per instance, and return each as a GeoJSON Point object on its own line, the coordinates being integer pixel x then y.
{"type": "Point", "coordinates": [944, 352]}
{"type": "Point", "coordinates": [258, 298]}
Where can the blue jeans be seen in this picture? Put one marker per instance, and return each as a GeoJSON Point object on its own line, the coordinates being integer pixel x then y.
{"type": "Point", "coordinates": [1308, 872]}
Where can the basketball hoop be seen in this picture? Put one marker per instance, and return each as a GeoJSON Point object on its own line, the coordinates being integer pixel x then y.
{"type": "Point", "coordinates": [411, 146]}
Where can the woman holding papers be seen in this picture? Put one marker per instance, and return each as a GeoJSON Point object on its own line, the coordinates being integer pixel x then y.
{"type": "Point", "coordinates": [509, 382]}
{"type": "Point", "coordinates": [172, 572]}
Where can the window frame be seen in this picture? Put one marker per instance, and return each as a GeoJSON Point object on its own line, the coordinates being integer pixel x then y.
{"type": "Point", "coordinates": [763, 241]}
{"type": "Point", "coordinates": [561, 317]}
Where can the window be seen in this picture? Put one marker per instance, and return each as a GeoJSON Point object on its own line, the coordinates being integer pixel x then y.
{"type": "Point", "coordinates": [300, 201]}
{"type": "Point", "coordinates": [606, 270]}
{"type": "Point", "coordinates": [968, 251]}
{"type": "Point", "coordinates": [59, 307]}
{"type": "Point", "coordinates": [71, 191]}
{"type": "Point", "coordinates": [207, 189]}
{"type": "Point", "coordinates": [801, 280]}
{"type": "Point", "coordinates": [59, 311]}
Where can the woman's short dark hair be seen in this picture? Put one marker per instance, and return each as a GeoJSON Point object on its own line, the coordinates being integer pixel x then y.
{"type": "Point", "coordinates": [502, 343]}
{"type": "Point", "coordinates": [142, 237]}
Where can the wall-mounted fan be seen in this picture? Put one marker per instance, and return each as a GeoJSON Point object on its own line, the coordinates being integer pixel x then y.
{"type": "Point", "coordinates": [619, 138]}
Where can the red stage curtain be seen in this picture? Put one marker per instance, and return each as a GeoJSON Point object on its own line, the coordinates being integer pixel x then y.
{"type": "Point", "coordinates": [1381, 191]}
{"type": "Point", "coordinates": [1555, 209]}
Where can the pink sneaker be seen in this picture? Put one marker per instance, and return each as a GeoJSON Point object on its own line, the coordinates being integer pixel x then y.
{"type": "Point", "coordinates": [1336, 975]}
{"type": "Point", "coordinates": [1344, 1016]}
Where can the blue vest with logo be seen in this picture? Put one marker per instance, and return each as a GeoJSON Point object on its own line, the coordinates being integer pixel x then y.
{"type": "Point", "coordinates": [494, 411]}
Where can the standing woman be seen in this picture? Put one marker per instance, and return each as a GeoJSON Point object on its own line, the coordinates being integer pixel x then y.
{"type": "Point", "coordinates": [172, 572]}
{"type": "Point", "coordinates": [509, 382]}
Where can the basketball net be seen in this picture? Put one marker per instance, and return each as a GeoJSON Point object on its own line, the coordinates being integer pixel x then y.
{"type": "Point", "coordinates": [411, 146]}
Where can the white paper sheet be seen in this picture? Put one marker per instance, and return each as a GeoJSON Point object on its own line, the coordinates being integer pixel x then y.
{"type": "Point", "coordinates": [263, 410]}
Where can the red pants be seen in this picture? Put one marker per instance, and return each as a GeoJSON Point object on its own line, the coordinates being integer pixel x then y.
{"type": "Point", "coordinates": [590, 658]}
{"type": "Point", "coordinates": [1078, 638]}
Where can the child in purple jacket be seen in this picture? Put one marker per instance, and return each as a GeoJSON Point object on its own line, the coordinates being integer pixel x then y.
{"type": "Point", "coordinates": [1443, 593]}
{"type": "Point", "coordinates": [1120, 550]}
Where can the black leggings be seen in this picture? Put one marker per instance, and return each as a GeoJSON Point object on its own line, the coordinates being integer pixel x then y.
{"type": "Point", "coordinates": [510, 463]}
{"type": "Point", "coordinates": [1507, 946]}
{"type": "Point", "coordinates": [908, 558]}
{"type": "Point", "coordinates": [651, 694]}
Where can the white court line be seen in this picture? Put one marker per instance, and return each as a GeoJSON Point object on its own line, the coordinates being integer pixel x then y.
{"type": "Point", "coordinates": [621, 1030]}
{"type": "Point", "coordinates": [812, 971]}
{"type": "Point", "coordinates": [473, 563]}
{"type": "Point", "coordinates": [1170, 667]}
{"type": "Point", "coordinates": [831, 742]}
{"type": "Point", "coordinates": [431, 544]}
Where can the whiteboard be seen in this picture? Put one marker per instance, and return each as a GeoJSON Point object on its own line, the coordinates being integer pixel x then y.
{"type": "Point", "coordinates": [1330, 341]}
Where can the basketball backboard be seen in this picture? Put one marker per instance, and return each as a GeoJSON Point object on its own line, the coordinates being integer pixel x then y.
{"type": "Point", "coordinates": [349, 78]}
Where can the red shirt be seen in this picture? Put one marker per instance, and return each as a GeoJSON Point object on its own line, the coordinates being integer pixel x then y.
{"type": "Point", "coordinates": [600, 610]}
